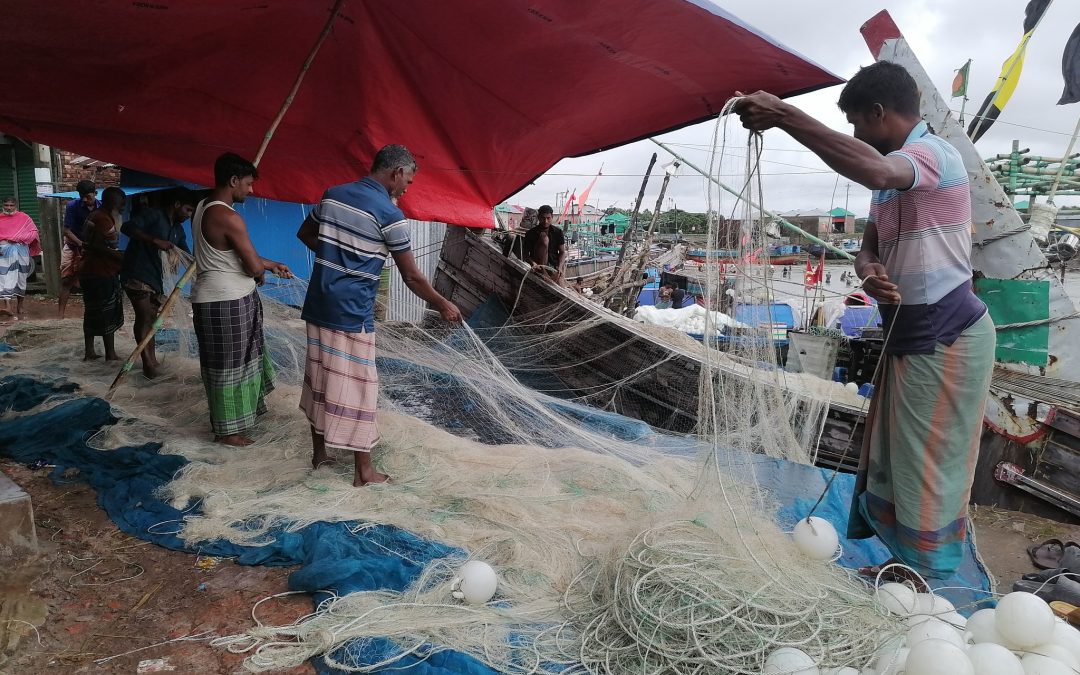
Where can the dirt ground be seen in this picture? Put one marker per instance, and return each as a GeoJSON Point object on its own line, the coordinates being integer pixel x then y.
{"type": "Point", "coordinates": [39, 307]}
{"type": "Point", "coordinates": [95, 593]}
{"type": "Point", "coordinates": [102, 593]}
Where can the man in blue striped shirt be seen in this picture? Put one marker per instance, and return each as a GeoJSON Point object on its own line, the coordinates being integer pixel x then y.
{"type": "Point", "coordinates": [352, 231]}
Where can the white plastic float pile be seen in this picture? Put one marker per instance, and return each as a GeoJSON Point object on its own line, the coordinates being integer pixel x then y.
{"type": "Point", "coordinates": [1021, 636]}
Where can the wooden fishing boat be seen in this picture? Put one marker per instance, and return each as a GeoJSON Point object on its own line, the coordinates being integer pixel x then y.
{"type": "Point", "coordinates": [1030, 446]}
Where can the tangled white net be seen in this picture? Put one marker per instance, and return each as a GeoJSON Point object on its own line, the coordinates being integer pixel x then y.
{"type": "Point", "coordinates": [619, 548]}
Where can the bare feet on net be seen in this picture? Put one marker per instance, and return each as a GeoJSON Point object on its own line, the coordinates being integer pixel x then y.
{"type": "Point", "coordinates": [375, 478]}
{"type": "Point", "coordinates": [234, 439]}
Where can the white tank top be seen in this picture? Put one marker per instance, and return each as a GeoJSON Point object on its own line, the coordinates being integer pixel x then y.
{"type": "Point", "coordinates": [220, 275]}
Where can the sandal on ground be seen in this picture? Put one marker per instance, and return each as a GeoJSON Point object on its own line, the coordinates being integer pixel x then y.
{"type": "Point", "coordinates": [1061, 588]}
{"type": "Point", "coordinates": [1047, 555]}
{"type": "Point", "coordinates": [1067, 611]}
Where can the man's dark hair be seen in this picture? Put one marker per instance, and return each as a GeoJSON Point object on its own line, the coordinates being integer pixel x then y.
{"type": "Point", "coordinates": [884, 82]}
{"type": "Point", "coordinates": [9, 198]}
{"type": "Point", "coordinates": [392, 157]}
{"type": "Point", "coordinates": [545, 209]}
{"type": "Point", "coordinates": [182, 195]}
{"type": "Point", "coordinates": [111, 194]}
{"type": "Point", "coordinates": [231, 164]}
{"type": "Point", "coordinates": [85, 187]}
{"type": "Point", "coordinates": [677, 297]}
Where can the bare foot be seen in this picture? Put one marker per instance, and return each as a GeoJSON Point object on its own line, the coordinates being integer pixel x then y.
{"type": "Point", "coordinates": [91, 356]}
{"type": "Point", "coordinates": [234, 439]}
{"type": "Point", "coordinates": [321, 459]}
{"type": "Point", "coordinates": [112, 357]}
{"type": "Point", "coordinates": [150, 371]}
{"type": "Point", "coordinates": [375, 479]}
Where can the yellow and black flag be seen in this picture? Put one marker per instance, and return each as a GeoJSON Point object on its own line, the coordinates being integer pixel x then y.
{"type": "Point", "coordinates": [1010, 74]}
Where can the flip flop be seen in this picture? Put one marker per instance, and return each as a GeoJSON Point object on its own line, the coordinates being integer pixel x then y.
{"type": "Point", "coordinates": [1067, 611]}
{"type": "Point", "coordinates": [1058, 589]}
{"type": "Point", "coordinates": [1050, 575]}
{"type": "Point", "coordinates": [1070, 556]}
{"type": "Point", "coordinates": [1047, 555]}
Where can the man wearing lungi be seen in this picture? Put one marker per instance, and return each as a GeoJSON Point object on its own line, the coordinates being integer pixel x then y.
{"type": "Point", "coordinates": [923, 427]}
{"type": "Point", "coordinates": [352, 231]}
{"type": "Point", "coordinates": [19, 241]}
{"type": "Point", "coordinates": [99, 275]}
{"type": "Point", "coordinates": [75, 214]}
{"type": "Point", "coordinates": [227, 313]}
{"type": "Point", "coordinates": [151, 233]}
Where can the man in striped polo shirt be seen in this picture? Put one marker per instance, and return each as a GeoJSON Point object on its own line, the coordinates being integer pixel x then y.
{"type": "Point", "coordinates": [352, 232]}
{"type": "Point", "coordinates": [923, 427]}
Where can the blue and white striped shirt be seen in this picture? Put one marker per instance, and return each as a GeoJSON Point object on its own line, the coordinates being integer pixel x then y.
{"type": "Point", "coordinates": [359, 227]}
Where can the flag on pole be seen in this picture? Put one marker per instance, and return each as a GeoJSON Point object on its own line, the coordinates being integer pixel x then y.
{"type": "Point", "coordinates": [814, 275]}
{"type": "Point", "coordinates": [960, 82]}
{"type": "Point", "coordinates": [1010, 74]}
{"type": "Point", "coordinates": [566, 209]}
{"type": "Point", "coordinates": [585, 194]}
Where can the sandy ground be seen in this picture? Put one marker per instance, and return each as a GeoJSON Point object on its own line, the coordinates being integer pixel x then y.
{"type": "Point", "coordinates": [95, 593]}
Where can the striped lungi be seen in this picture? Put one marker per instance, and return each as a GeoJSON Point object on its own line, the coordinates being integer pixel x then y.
{"type": "Point", "coordinates": [920, 449]}
{"type": "Point", "coordinates": [341, 388]}
{"type": "Point", "coordinates": [237, 373]}
{"type": "Point", "coordinates": [103, 305]}
{"type": "Point", "coordinates": [14, 268]}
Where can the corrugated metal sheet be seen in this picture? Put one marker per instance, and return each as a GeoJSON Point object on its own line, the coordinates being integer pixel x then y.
{"type": "Point", "coordinates": [427, 238]}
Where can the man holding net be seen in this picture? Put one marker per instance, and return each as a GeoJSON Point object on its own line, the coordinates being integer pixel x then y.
{"type": "Point", "coordinates": [923, 427]}
{"type": "Point", "coordinates": [545, 246]}
{"type": "Point", "coordinates": [352, 231]}
{"type": "Point", "coordinates": [226, 309]}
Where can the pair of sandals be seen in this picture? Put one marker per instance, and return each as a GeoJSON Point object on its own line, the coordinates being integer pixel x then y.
{"type": "Point", "coordinates": [1059, 581]}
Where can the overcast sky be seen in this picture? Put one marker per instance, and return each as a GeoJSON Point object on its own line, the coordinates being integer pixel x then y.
{"type": "Point", "coordinates": [943, 34]}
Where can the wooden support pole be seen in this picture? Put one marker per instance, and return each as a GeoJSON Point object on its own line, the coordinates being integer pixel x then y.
{"type": "Point", "coordinates": [167, 307]}
{"type": "Point", "coordinates": [647, 241]}
{"type": "Point", "coordinates": [628, 235]}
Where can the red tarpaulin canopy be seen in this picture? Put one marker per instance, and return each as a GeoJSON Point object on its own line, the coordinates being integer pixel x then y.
{"type": "Point", "coordinates": [487, 93]}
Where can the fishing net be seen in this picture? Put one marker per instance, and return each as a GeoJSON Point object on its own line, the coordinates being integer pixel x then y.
{"type": "Point", "coordinates": [619, 548]}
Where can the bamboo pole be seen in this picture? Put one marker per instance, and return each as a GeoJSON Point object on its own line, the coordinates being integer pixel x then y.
{"type": "Point", "coordinates": [647, 240]}
{"type": "Point", "coordinates": [159, 320]}
{"type": "Point", "coordinates": [618, 271]}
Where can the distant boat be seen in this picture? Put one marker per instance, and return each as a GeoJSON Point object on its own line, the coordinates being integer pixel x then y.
{"type": "Point", "coordinates": [778, 255]}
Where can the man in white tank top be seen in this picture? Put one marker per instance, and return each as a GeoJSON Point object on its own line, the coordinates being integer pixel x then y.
{"type": "Point", "coordinates": [227, 312]}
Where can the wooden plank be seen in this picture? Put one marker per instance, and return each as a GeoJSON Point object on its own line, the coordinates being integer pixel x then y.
{"type": "Point", "coordinates": [1064, 420]}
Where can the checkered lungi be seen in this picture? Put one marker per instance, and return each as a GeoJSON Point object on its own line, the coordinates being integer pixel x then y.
{"type": "Point", "coordinates": [14, 268]}
{"type": "Point", "coordinates": [236, 369]}
{"type": "Point", "coordinates": [341, 388]}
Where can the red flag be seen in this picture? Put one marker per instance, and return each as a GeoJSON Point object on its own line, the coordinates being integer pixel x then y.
{"type": "Point", "coordinates": [814, 275]}
{"type": "Point", "coordinates": [566, 209]}
{"type": "Point", "coordinates": [585, 195]}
